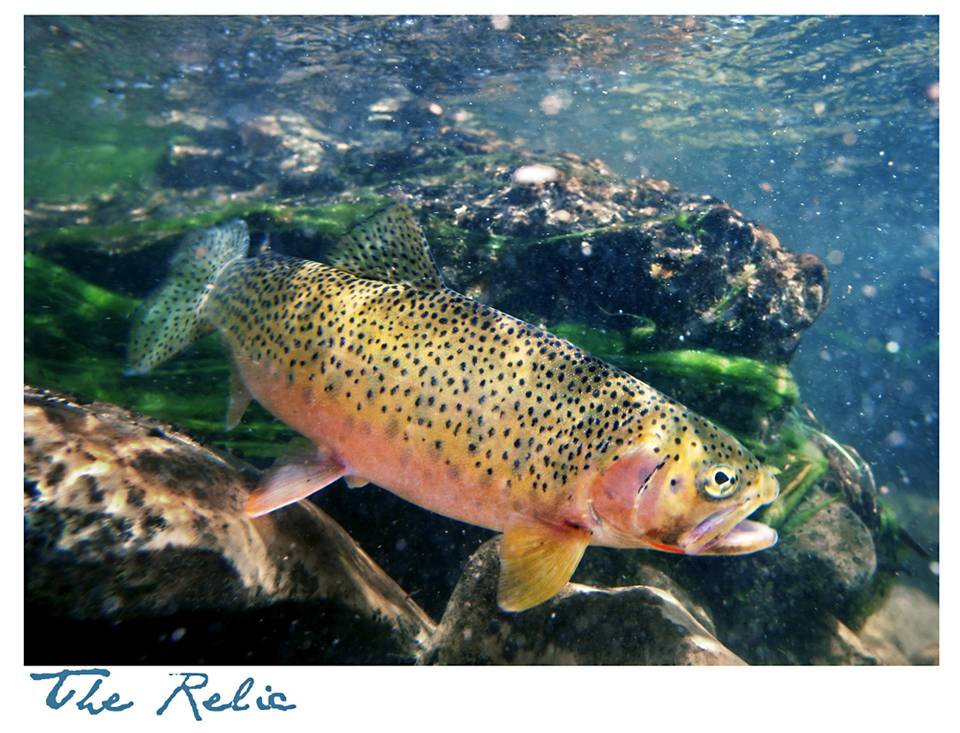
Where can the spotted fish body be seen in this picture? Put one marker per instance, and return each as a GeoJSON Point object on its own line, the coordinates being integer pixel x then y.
{"type": "Point", "coordinates": [457, 407]}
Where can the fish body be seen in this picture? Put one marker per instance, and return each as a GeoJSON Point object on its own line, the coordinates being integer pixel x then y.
{"type": "Point", "coordinates": [453, 405]}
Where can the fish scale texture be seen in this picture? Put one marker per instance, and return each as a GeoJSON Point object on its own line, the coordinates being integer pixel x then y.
{"type": "Point", "coordinates": [442, 370]}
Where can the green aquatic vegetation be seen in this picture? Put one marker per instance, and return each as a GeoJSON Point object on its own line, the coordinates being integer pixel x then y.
{"type": "Point", "coordinates": [687, 222]}
{"type": "Point", "coordinates": [333, 220]}
{"type": "Point", "coordinates": [76, 150]}
{"type": "Point", "coordinates": [639, 330]}
{"type": "Point", "coordinates": [737, 287]}
{"type": "Point", "coordinates": [141, 230]}
{"type": "Point", "coordinates": [736, 391]}
{"type": "Point", "coordinates": [329, 221]}
{"type": "Point", "coordinates": [798, 518]}
{"type": "Point", "coordinates": [785, 514]}
{"type": "Point", "coordinates": [74, 337]}
{"type": "Point", "coordinates": [690, 221]}
{"type": "Point", "coordinates": [801, 464]}
{"type": "Point", "coordinates": [608, 342]}
{"type": "Point", "coordinates": [646, 328]}
{"type": "Point", "coordinates": [581, 234]}
{"type": "Point", "coordinates": [94, 167]}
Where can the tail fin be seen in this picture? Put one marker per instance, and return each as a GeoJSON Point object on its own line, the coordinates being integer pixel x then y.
{"type": "Point", "coordinates": [169, 319]}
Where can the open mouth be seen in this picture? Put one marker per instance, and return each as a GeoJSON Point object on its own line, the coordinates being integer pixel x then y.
{"type": "Point", "coordinates": [728, 532]}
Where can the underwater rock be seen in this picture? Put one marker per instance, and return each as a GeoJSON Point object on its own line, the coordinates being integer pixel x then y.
{"type": "Point", "coordinates": [838, 544]}
{"type": "Point", "coordinates": [704, 275]}
{"type": "Point", "coordinates": [191, 164]}
{"type": "Point", "coordinates": [839, 645]}
{"type": "Point", "coordinates": [637, 624]}
{"type": "Point", "coordinates": [905, 629]}
{"type": "Point", "coordinates": [585, 240]}
{"type": "Point", "coordinates": [127, 520]}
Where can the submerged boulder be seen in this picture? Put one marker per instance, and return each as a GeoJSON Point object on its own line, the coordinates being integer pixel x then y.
{"type": "Point", "coordinates": [691, 269]}
{"type": "Point", "coordinates": [905, 628]}
{"type": "Point", "coordinates": [636, 624]}
{"type": "Point", "coordinates": [128, 523]}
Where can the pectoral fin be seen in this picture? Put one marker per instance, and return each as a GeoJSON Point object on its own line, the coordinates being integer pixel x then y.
{"type": "Point", "coordinates": [291, 480]}
{"type": "Point", "coordinates": [240, 399]}
{"type": "Point", "coordinates": [536, 561]}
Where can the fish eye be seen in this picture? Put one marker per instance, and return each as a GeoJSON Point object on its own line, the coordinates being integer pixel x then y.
{"type": "Point", "coordinates": [718, 482]}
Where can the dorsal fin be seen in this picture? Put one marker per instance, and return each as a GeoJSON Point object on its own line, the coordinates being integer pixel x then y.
{"type": "Point", "coordinates": [389, 247]}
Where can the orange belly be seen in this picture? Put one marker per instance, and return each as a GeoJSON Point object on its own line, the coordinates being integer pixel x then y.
{"type": "Point", "coordinates": [370, 444]}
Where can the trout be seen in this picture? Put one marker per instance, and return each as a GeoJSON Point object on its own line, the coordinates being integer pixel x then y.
{"type": "Point", "coordinates": [453, 405]}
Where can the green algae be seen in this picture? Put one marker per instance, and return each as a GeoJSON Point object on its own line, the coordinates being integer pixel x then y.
{"type": "Point", "coordinates": [618, 229]}
{"type": "Point", "coordinates": [689, 222]}
{"type": "Point", "coordinates": [800, 464]}
{"type": "Point", "coordinates": [738, 392]}
{"type": "Point", "coordinates": [772, 385]}
{"type": "Point", "coordinates": [799, 518]}
{"type": "Point", "coordinates": [612, 344]}
{"type": "Point", "coordinates": [609, 343]}
{"type": "Point", "coordinates": [94, 167]}
{"type": "Point", "coordinates": [330, 221]}
{"type": "Point", "coordinates": [74, 150]}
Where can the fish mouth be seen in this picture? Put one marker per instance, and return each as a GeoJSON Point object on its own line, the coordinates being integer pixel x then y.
{"type": "Point", "coordinates": [729, 532]}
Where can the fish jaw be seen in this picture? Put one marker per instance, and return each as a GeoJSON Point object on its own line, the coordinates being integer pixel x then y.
{"type": "Point", "coordinates": [745, 538]}
{"type": "Point", "coordinates": [728, 532]}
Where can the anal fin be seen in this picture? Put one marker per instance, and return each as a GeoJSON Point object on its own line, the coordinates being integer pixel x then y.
{"type": "Point", "coordinates": [536, 561]}
{"type": "Point", "coordinates": [291, 480]}
{"type": "Point", "coordinates": [239, 399]}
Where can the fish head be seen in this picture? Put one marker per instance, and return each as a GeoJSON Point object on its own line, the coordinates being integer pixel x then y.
{"type": "Point", "coordinates": [689, 491]}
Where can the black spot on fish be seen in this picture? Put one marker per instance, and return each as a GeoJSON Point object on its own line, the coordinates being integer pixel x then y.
{"type": "Point", "coordinates": [31, 489]}
{"type": "Point", "coordinates": [94, 492]}
{"type": "Point", "coordinates": [135, 496]}
{"type": "Point", "coordinates": [55, 474]}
